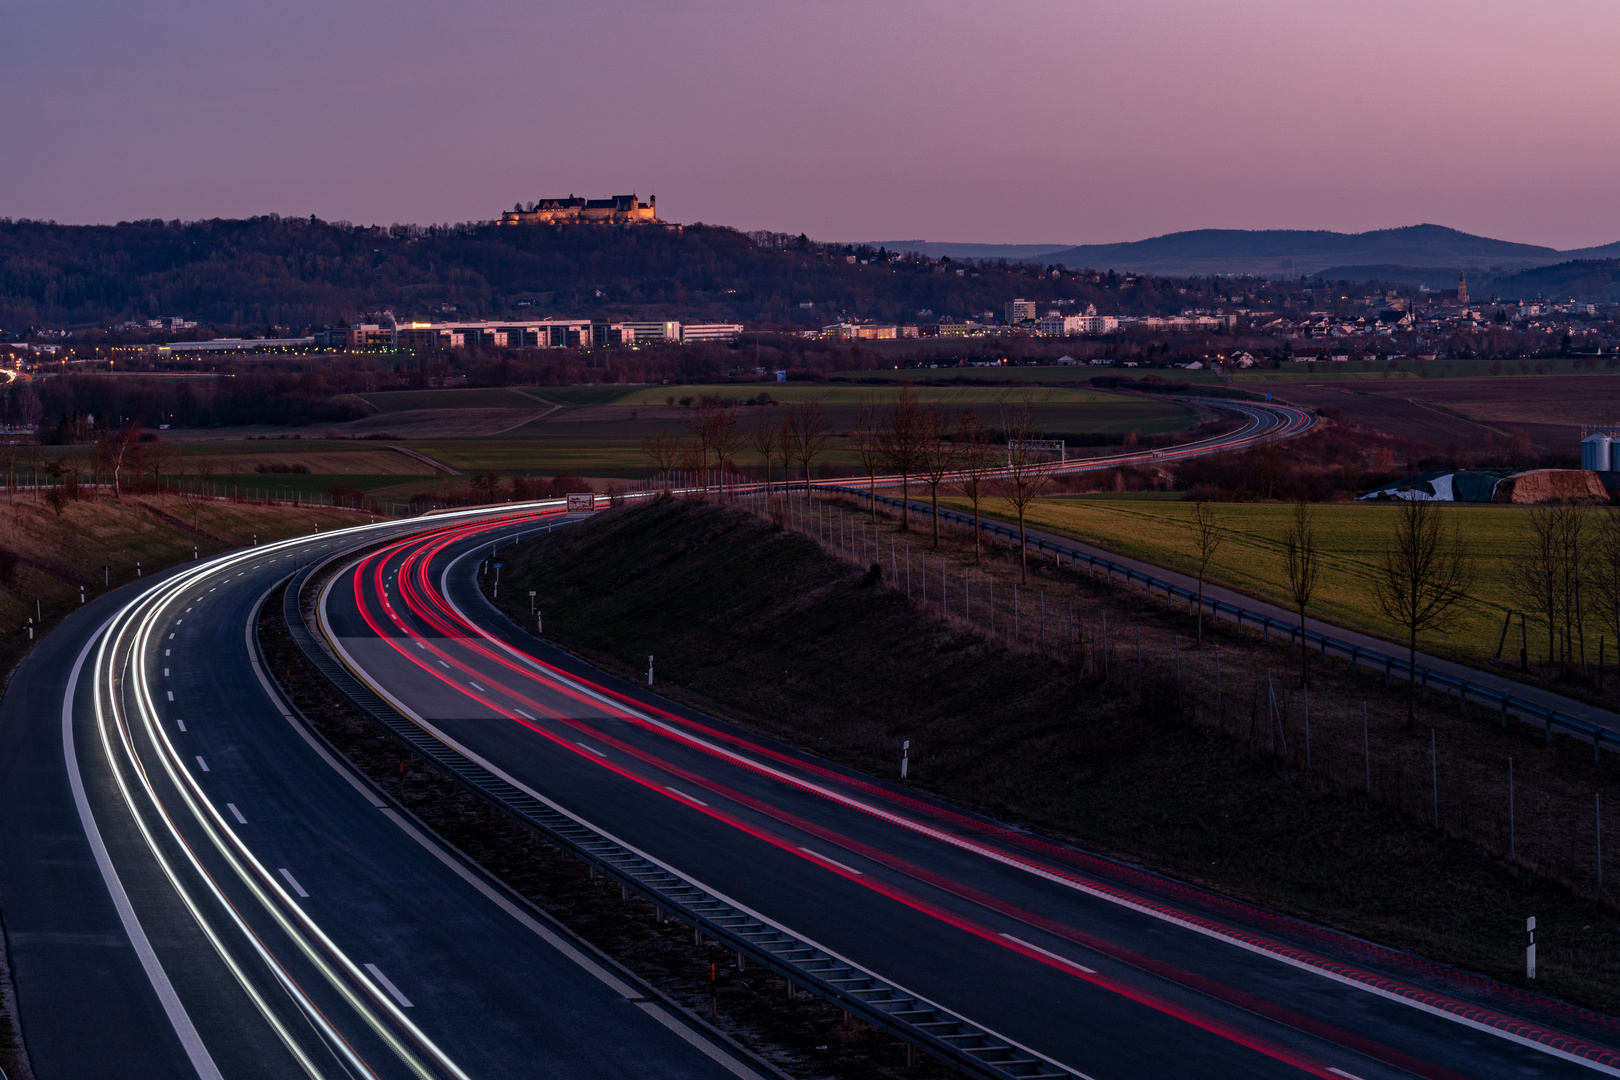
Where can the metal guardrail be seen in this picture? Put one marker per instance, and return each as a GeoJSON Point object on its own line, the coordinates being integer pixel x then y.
{"type": "Point", "coordinates": [1390, 664]}
{"type": "Point", "coordinates": [909, 1017]}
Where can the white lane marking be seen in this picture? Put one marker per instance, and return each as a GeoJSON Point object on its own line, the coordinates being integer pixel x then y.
{"type": "Point", "coordinates": [444, 665]}
{"type": "Point", "coordinates": [181, 722]}
{"type": "Point", "coordinates": [592, 749]}
{"type": "Point", "coordinates": [203, 764]}
{"type": "Point", "coordinates": [297, 888]}
{"type": "Point", "coordinates": [393, 991]}
{"type": "Point", "coordinates": [171, 695]}
{"type": "Point", "coordinates": [475, 686]}
{"type": "Point", "coordinates": [188, 611]}
{"type": "Point", "coordinates": [165, 673]}
{"type": "Point", "coordinates": [173, 1008]}
{"type": "Point", "coordinates": [523, 714]}
{"type": "Point", "coordinates": [237, 814]}
{"type": "Point", "coordinates": [1341, 1072]}
{"type": "Point", "coordinates": [166, 652]}
{"type": "Point", "coordinates": [818, 856]}
{"type": "Point", "coordinates": [171, 637]}
{"type": "Point", "coordinates": [419, 645]}
{"type": "Point", "coordinates": [1049, 953]}
{"type": "Point", "coordinates": [688, 798]}
{"type": "Point", "coordinates": [177, 622]}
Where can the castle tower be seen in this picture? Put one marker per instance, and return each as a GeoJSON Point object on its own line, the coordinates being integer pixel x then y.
{"type": "Point", "coordinates": [1462, 287]}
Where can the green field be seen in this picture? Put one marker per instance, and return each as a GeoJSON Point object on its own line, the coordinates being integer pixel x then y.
{"type": "Point", "coordinates": [1352, 539]}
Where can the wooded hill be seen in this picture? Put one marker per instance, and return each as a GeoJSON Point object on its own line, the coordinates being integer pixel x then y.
{"type": "Point", "coordinates": [275, 273]}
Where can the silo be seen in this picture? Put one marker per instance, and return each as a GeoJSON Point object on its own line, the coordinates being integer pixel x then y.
{"type": "Point", "coordinates": [1596, 452]}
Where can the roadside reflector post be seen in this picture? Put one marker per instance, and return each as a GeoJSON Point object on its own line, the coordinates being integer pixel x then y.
{"type": "Point", "coordinates": [531, 601]}
{"type": "Point", "coordinates": [1530, 947]}
{"type": "Point", "coordinates": [649, 669]}
{"type": "Point", "coordinates": [905, 758]}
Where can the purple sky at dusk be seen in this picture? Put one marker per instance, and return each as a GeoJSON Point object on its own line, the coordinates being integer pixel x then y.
{"type": "Point", "coordinates": [963, 120]}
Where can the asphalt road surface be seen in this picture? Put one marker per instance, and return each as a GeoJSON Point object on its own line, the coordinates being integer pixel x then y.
{"type": "Point", "coordinates": [193, 885]}
{"type": "Point", "coordinates": [1109, 971]}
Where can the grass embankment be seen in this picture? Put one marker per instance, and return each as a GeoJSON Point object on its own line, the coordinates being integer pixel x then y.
{"type": "Point", "coordinates": [55, 555]}
{"type": "Point", "coordinates": [768, 629]}
{"type": "Point", "coordinates": [1352, 540]}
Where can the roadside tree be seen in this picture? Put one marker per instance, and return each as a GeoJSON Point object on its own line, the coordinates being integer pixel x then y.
{"type": "Point", "coordinates": [1423, 581]}
{"type": "Point", "coordinates": [936, 456]}
{"type": "Point", "coordinates": [1304, 561]}
{"type": "Point", "coordinates": [1207, 538]}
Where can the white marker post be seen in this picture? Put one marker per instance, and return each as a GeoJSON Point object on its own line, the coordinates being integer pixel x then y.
{"type": "Point", "coordinates": [649, 670]}
{"type": "Point", "coordinates": [1530, 947]}
{"type": "Point", "coordinates": [905, 758]}
{"type": "Point", "coordinates": [531, 601]}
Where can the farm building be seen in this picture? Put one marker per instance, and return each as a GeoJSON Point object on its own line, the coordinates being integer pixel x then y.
{"type": "Point", "coordinates": [1502, 486]}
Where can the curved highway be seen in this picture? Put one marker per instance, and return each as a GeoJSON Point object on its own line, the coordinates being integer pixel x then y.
{"type": "Point", "coordinates": [1074, 964]}
{"type": "Point", "coordinates": [194, 885]}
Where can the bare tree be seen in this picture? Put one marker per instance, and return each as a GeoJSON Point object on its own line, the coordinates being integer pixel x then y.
{"type": "Point", "coordinates": [1207, 538]}
{"type": "Point", "coordinates": [1028, 472]}
{"type": "Point", "coordinates": [205, 477]}
{"type": "Point", "coordinates": [1536, 571]}
{"type": "Point", "coordinates": [868, 444]}
{"type": "Point", "coordinates": [806, 432]}
{"type": "Point", "coordinates": [976, 455]}
{"type": "Point", "coordinates": [1571, 581]}
{"type": "Point", "coordinates": [663, 450]}
{"type": "Point", "coordinates": [1423, 580]}
{"type": "Point", "coordinates": [726, 438]}
{"type": "Point", "coordinates": [765, 439]}
{"type": "Point", "coordinates": [1304, 561]}
{"type": "Point", "coordinates": [1606, 573]}
{"type": "Point", "coordinates": [901, 442]}
{"type": "Point", "coordinates": [936, 457]}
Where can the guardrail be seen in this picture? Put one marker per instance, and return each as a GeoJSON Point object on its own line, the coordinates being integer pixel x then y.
{"type": "Point", "coordinates": [1390, 664]}
{"type": "Point", "coordinates": [879, 1002]}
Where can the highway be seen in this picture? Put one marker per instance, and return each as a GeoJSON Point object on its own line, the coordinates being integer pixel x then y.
{"type": "Point", "coordinates": [194, 885]}
{"type": "Point", "coordinates": [1064, 963]}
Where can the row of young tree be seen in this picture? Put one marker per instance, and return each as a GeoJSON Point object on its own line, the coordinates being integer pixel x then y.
{"type": "Point", "coordinates": [919, 444]}
{"type": "Point", "coordinates": [1568, 577]}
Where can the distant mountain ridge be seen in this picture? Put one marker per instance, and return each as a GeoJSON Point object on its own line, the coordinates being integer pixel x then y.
{"type": "Point", "coordinates": [1285, 252]}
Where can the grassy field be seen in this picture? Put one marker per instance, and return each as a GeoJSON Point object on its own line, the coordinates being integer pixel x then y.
{"type": "Point", "coordinates": [599, 431]}
{"type": "Point", "coordinates": [1352, 538]}
{"type": "Point", "coordinates": [403, 400]}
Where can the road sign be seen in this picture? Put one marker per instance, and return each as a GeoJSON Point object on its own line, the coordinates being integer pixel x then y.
{"type": "Point", "coordinates": [581, 504]}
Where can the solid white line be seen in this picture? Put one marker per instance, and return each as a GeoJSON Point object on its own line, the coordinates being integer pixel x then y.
{"type": "Point", "coordinates": [1052, 955]}
{"type": "Point", "coordinates": [203, 763]}
{"type": "Point", "coordinates": [297, 888]}
{"type": "Point", "coordinates": [237, 814]}
{"type": "Point", "coordinates": [201, 1060]}
{"type": "Point", "coordinates": [688, 798]}
{"type": "Point", "coordinates": [592, 749]}
{"type": "Point", "coordinates": [832, 862]}
{"type": "Point", "coordinates": [404, 1002]}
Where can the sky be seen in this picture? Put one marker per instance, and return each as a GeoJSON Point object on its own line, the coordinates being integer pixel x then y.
{"type": "Point", "coordinates": [1012, 121]}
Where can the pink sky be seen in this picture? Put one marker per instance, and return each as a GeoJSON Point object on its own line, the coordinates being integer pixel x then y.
{"type": "Point", "coordinates": [1005, 122]}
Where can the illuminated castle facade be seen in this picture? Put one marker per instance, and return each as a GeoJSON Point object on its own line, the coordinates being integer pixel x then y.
{"type": "Point", "coordinates": [618, 210]}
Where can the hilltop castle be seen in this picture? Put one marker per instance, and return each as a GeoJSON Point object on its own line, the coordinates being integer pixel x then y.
{"type": "Point", "coordinates": [618, 210]}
